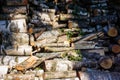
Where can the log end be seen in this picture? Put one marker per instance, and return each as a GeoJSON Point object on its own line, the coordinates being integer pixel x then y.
{"type": "Point", "coordinates": [112, 32]}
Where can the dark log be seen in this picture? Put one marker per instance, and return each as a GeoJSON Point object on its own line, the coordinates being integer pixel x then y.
{"type": "Point", "coordinates": [115, 48]}
{"type": "Point", "coordinates": [99, 75]}
{"type": "Point", "coordinates": [17, 9]}
{"type": "Point", "coordinates": [117, 39]}
{"type": "Point", "coordinates": [16, 2]}
{"type": "Point", "coordinates": [104, 61]}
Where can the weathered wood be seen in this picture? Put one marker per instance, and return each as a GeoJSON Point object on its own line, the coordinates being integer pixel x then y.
{"type": "Point", "coordinates": [19, 50]}
{"type": "Point", "coordinates": [16, 2]}
{"type": "Point", "coordinates": [19, 77]}
{"type": "Point", "coordinates": [12, 16]}
{"type": "Point", "coordinates": [58, 49]}
{"type": "Point", "coordinates": [48, 34]}
{"type": "Point", "coordinates": [63, 74]}
{"type": "Point", "coordinates": [57, 25]}
{"type": "Point", "coordinates": [17, 9]}
{"type": "Point", "coordinates": [32, 62]}
{"type": "Point", "coordinates": [57, 45]}
{"type": "Point", "coordinates": [83, 45]}
{"type": "Point", "coordinates": [99, 75]}
{"type": "Point", "coordinates": [74, 78]}
{"type": "Point", "coordinates": [48, 40]}
{"type": "Point", "coordinates": [3, 70]}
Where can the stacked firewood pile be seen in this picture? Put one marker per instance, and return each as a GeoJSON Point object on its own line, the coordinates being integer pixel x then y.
{"type": "Point", "coordinates": [59, 40]}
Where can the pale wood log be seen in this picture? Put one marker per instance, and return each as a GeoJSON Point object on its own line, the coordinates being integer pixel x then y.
{"type": "Point", "coordinates": [73, 24]}
{"type": "Point", "coordinates": [74, 78]}
{"type": "Point", "coordinates": [11, 2]}
{"type": "Point", "coordinates": [48, 34]}
{"type": "Point", "coordinates": [19, 77]}
{"type": "Point", "coordinates": [58, 65]}
{"type": "Point", "coordinates": [41, 42]}
{"type": "Point", "coordinates": [12, 60]}
{"type": "Point", "coordinates": [19, 50]}
{"type": "Point", "coordinates": [33, 61]}
{"type": "Point", "coordinates": [62, 38]}
{"type": "Point", "coordinates": [56, 45]}
{"type": "Point", "coordinates": [17, 9]}
{"type": "Point", "coordinates": [21, 38]}
{"type": "Point", "coordinates": [3, 70]}
{"type": "Point", "coordinates": [12, 16]}
{"type": "Point", "coordinates": [58, 49]}
{"type": "Point", "coordinates": [63, 74]}
{"type": "Point", "coordinates": [56, 25]}
{"type": "Point", "coordinates": [83, 45]}
{"type": "Point", "coordinates": [18, 24]}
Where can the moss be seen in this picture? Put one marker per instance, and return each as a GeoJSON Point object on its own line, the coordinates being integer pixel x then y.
{"type": "Point", "coordinates": [69, 34]}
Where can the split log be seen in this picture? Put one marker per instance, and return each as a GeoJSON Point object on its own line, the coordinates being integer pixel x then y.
{"type": "Point", "coordinates": [63, 74]}
{"type": "Point", "coordinates": [33, 61]}
{"type": "Point", "coordinates": [73, 24]}
{"type": "Point", "coordinates": [63, 17]}
{"type": "Point", "coordinates": [62, 38]}
{"type": "Point", "coordinates": [19, 9]}
{"type": "Point", "coordinates": [48, 34]}
{"type": "Point", "coordinates": [19, 77]}
{"type": "Point", "coordinates": [12, 60]}
{"type": "Point", "coordinates": [57, 45]}
{"type": "Point", "coordinates": [20, 50]}
{"type": "Point", "coordinates": [16, 2]}
{"type": "Point", "coordinates": [83, 45]}
{"type": "Point", "coordinates": [57, 25]}
{"type": "Point", "coordinates": [48, 40]}
{"type": "Point", "coordinates": [115, 48]}
{"type": "Point", "coordinates": [18, 25]}
{"type": "Point", "coordinates": [12, 16]}
{"type": "Point", "coordinates": [58, 49]}
{"type": "Point", "coordinates": [99, 75]}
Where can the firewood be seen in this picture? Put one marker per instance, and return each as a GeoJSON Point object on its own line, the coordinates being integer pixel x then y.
{"type": "Point", "coordinates": [58, 49]}
{"type": "Point", "coordinates": [57, 45]}
{"type": "Point", "coordinates": [12, 16]}
{"type": "Point", "coordinates": [106, 62]}
{"type": "Point", "coordinates": [32, 62]}
{"type": "Point", "coordinates": [62, 74]}
{"type": "Point", "coordinates": [48, 34]}
{"type": "Point", "coordinates": [19, 9]}
{"type": "Point", "coordinates": [112, 32]}
{"type": "Point", "coordinates": [19, 77]}
{"type": "Point", "coordinates": [20, 50]}
{"type": "Point", "coordinates": [117, 39]}
{"type": "Point", "coordinates": [58, 65]}
{"type": "Point", "coordinates": [114, 48]}
{"type": "Point", "coordinates": [72, 24]}
{"type": "Point", "coordinates": [11, 2]}
{"type": "Point", "coordinates": [83, 45]}
{"type": "Point", "coordinates": [99, 75]}
{"type": "Point", "coordinates": [11, 60]}
{"type": "Point", "coordinates": [17, 25]}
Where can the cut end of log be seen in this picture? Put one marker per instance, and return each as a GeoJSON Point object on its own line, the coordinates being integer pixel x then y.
{"type": "Point", "coordinates": [116, 48]}
{"type": "Point", "coordinates": [106, 62]}
{"type": "Point", "coordinates": [112, 32]}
